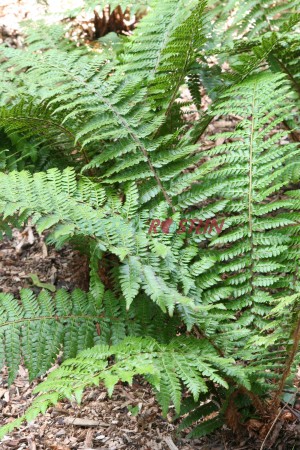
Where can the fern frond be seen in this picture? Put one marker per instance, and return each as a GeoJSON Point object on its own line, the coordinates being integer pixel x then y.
{"type": "Point", "coordinates": [257, 235]}
{"type": "Point", "coordinates": [53, 141]}
{"type": "Point", "coordinates": [39, 327]}
{"type": "Point", "coordinates": [165, 366]}
{"type": "Point", "coordinates": [163, 47]}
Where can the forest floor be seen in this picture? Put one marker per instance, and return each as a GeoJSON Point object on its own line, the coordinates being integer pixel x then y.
{"type": "Point", "coordinates": [99, 422]}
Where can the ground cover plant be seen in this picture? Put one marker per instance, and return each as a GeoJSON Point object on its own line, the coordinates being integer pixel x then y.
{"type": "Point", "coordinates": [95, 146]}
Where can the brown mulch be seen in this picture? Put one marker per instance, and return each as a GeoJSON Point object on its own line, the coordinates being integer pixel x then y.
{"type": "Point", "coordinates": [98, 423]}
{"type": "Point", "coordinates": [27, 254]}
{"type": "Point", "coordinates": [102, 423]}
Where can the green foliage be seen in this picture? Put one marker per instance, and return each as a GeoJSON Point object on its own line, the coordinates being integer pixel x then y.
{"type": "Point", "coordinates": [183, 362]}
{"type": "Point", "coordinates": [37, 282]}
{"type": "Point", "coordinates": [40, 326]}
{"type": "Point", "coordinates": [251, 169]}
{"type": "Point", "coordinates": [96, 146]}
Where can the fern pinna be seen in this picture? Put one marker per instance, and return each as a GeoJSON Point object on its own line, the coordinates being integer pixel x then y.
{"type": "Point", "coordinates": [96, 147]}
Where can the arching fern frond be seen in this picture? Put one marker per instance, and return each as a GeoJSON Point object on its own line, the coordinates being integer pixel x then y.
{"type": "Point", "coordinates": [56, 201]}
{"type": "Point", "coordinates": [53, 141]}
{"type": "Point", "coordinates": [185, 361]}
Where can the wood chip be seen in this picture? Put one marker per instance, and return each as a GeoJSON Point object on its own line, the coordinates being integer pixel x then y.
{"type": "Point", "coordinates": [169, 441]}
{"type": "Point", "coordinates": [2, 392]}
{"type": "Point", "coordinates": [88, 442]}
{"type": "Point", "coordinates": [81, 422]}
{"type": "Point", "coordinates": [31, 444]}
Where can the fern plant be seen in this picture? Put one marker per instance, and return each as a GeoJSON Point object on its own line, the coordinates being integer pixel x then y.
{"type": "Point", "coordinates": [97, 148]}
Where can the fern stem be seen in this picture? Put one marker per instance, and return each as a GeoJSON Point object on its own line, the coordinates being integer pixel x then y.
{"type": "Point", "coordinates": [250, 192]}
{"type": "Point", "coordinates": [52, 318]}
{"type": "Point", "coordinates": [292, 352]}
